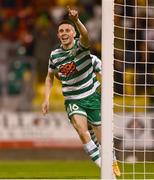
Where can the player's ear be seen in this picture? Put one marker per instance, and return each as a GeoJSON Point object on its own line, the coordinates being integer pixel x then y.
{"type": "Point", "coordinates": [58, 35]}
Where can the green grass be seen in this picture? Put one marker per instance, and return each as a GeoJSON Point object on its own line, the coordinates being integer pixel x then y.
{"type": "Point", "coordinates": [49, 170]}
{"type": "Point", "coordinates": [139, 169]}
{"type": "Point", "coordinates": [67, 170]}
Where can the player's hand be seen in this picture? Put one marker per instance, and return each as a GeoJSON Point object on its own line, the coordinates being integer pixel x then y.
{"type": "Point", "coordinates": [45, 107]}
{"type": "Point", "coordinates": [73, 14]}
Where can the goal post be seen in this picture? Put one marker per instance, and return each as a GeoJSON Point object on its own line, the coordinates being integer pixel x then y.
{"type": "Point", "coordinates": [107, 87]}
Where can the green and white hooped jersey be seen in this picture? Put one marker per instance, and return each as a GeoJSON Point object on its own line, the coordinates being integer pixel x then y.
{"type": "Point", "coordinates": [75, 70]}
{"type": "Point", "coordinates": [97, 64]}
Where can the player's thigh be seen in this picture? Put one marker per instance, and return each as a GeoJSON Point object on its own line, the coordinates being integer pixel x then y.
{"type": "Point", "coordinates": [79, 122]}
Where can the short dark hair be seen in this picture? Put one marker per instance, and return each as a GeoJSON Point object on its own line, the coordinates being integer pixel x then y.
{"type": "Point", "coordinates": [66, 21]}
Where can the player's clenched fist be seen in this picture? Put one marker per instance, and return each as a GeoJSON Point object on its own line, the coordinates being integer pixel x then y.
{"type": "Point", "coordinates": [73, 14]}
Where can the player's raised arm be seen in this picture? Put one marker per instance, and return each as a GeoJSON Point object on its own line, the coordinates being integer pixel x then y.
{"type": "Point", "coordinates": [48, 85]}
{"type": "Point", "coordinates": [84, 37]}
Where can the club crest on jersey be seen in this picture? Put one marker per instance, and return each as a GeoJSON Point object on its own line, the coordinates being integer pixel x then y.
{"type": "Point", "coordinates": [72, 52]}
{"type": "Point", "coordinates": [68, 69]}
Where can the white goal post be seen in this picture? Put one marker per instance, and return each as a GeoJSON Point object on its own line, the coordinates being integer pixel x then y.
{"type": "Point", "coordinates": [107, 87]}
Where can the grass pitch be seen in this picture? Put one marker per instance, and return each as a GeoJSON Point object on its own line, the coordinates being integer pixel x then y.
{"type": "Point", "coordinates": [68, 170]}
{"type": "Point", "coordinates": [142, 171]}
{"type": "Point", "coordinates": [49, 170]}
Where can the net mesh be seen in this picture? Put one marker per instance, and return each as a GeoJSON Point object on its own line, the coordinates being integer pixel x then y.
{"type": "Point", "coordinates": [134, 87]}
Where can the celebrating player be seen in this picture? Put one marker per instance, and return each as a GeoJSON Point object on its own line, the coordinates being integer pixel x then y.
{"type": "Point", "coordinates": [73, 63]}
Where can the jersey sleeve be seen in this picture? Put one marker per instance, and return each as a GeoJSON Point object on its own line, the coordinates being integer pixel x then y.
{"type": "Point", "coordinates": [97, 64]}
{"type": "Point", "coordinates": [51, 66]}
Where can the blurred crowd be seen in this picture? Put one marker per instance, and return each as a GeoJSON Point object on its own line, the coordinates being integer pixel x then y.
{"type": "Point", "coordinates": [28, 33]}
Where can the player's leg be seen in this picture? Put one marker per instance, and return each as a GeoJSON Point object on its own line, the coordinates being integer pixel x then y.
{"type": "Point", "coordinates": [97, 131]}
{"type": "Point", "coordinates": [79, 122]}
{"type": "Point", "coordinates": [93, 136]}
{"type": "Point", "coordinates": [78, 118]}
{"type": "Point", "coordinates": [97, 134]}
{"type": "Point", "coordinates": [94, 118]}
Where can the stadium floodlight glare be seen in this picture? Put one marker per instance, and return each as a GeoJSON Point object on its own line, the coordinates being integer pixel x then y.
{"type": "Point", "coordinates": [127, 90]}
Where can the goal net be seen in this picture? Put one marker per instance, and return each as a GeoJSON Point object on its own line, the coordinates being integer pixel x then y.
{"type": "Point", "coordinates": [133, 127]}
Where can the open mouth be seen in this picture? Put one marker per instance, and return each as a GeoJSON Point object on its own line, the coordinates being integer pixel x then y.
{"type": "Point", "coordinates": [65, 38]}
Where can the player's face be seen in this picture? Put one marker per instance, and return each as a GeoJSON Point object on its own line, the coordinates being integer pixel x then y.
{"type": "Point", "coordinates": [66, 34]}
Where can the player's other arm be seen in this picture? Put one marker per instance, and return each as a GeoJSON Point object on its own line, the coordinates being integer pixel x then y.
{"type": "Point", "coordinates": [84, 37]}
{"type": "Point", "coordinates": [97, 66]}
{"type": "Point", "coordinates": [48, 86]}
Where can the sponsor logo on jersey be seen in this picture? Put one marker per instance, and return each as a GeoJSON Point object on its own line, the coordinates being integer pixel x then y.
{"type": "Point", "coordinates": [68, 69]}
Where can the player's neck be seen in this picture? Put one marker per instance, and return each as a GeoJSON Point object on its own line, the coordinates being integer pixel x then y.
{"type": "Point", "coordinates": [68, 46]}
